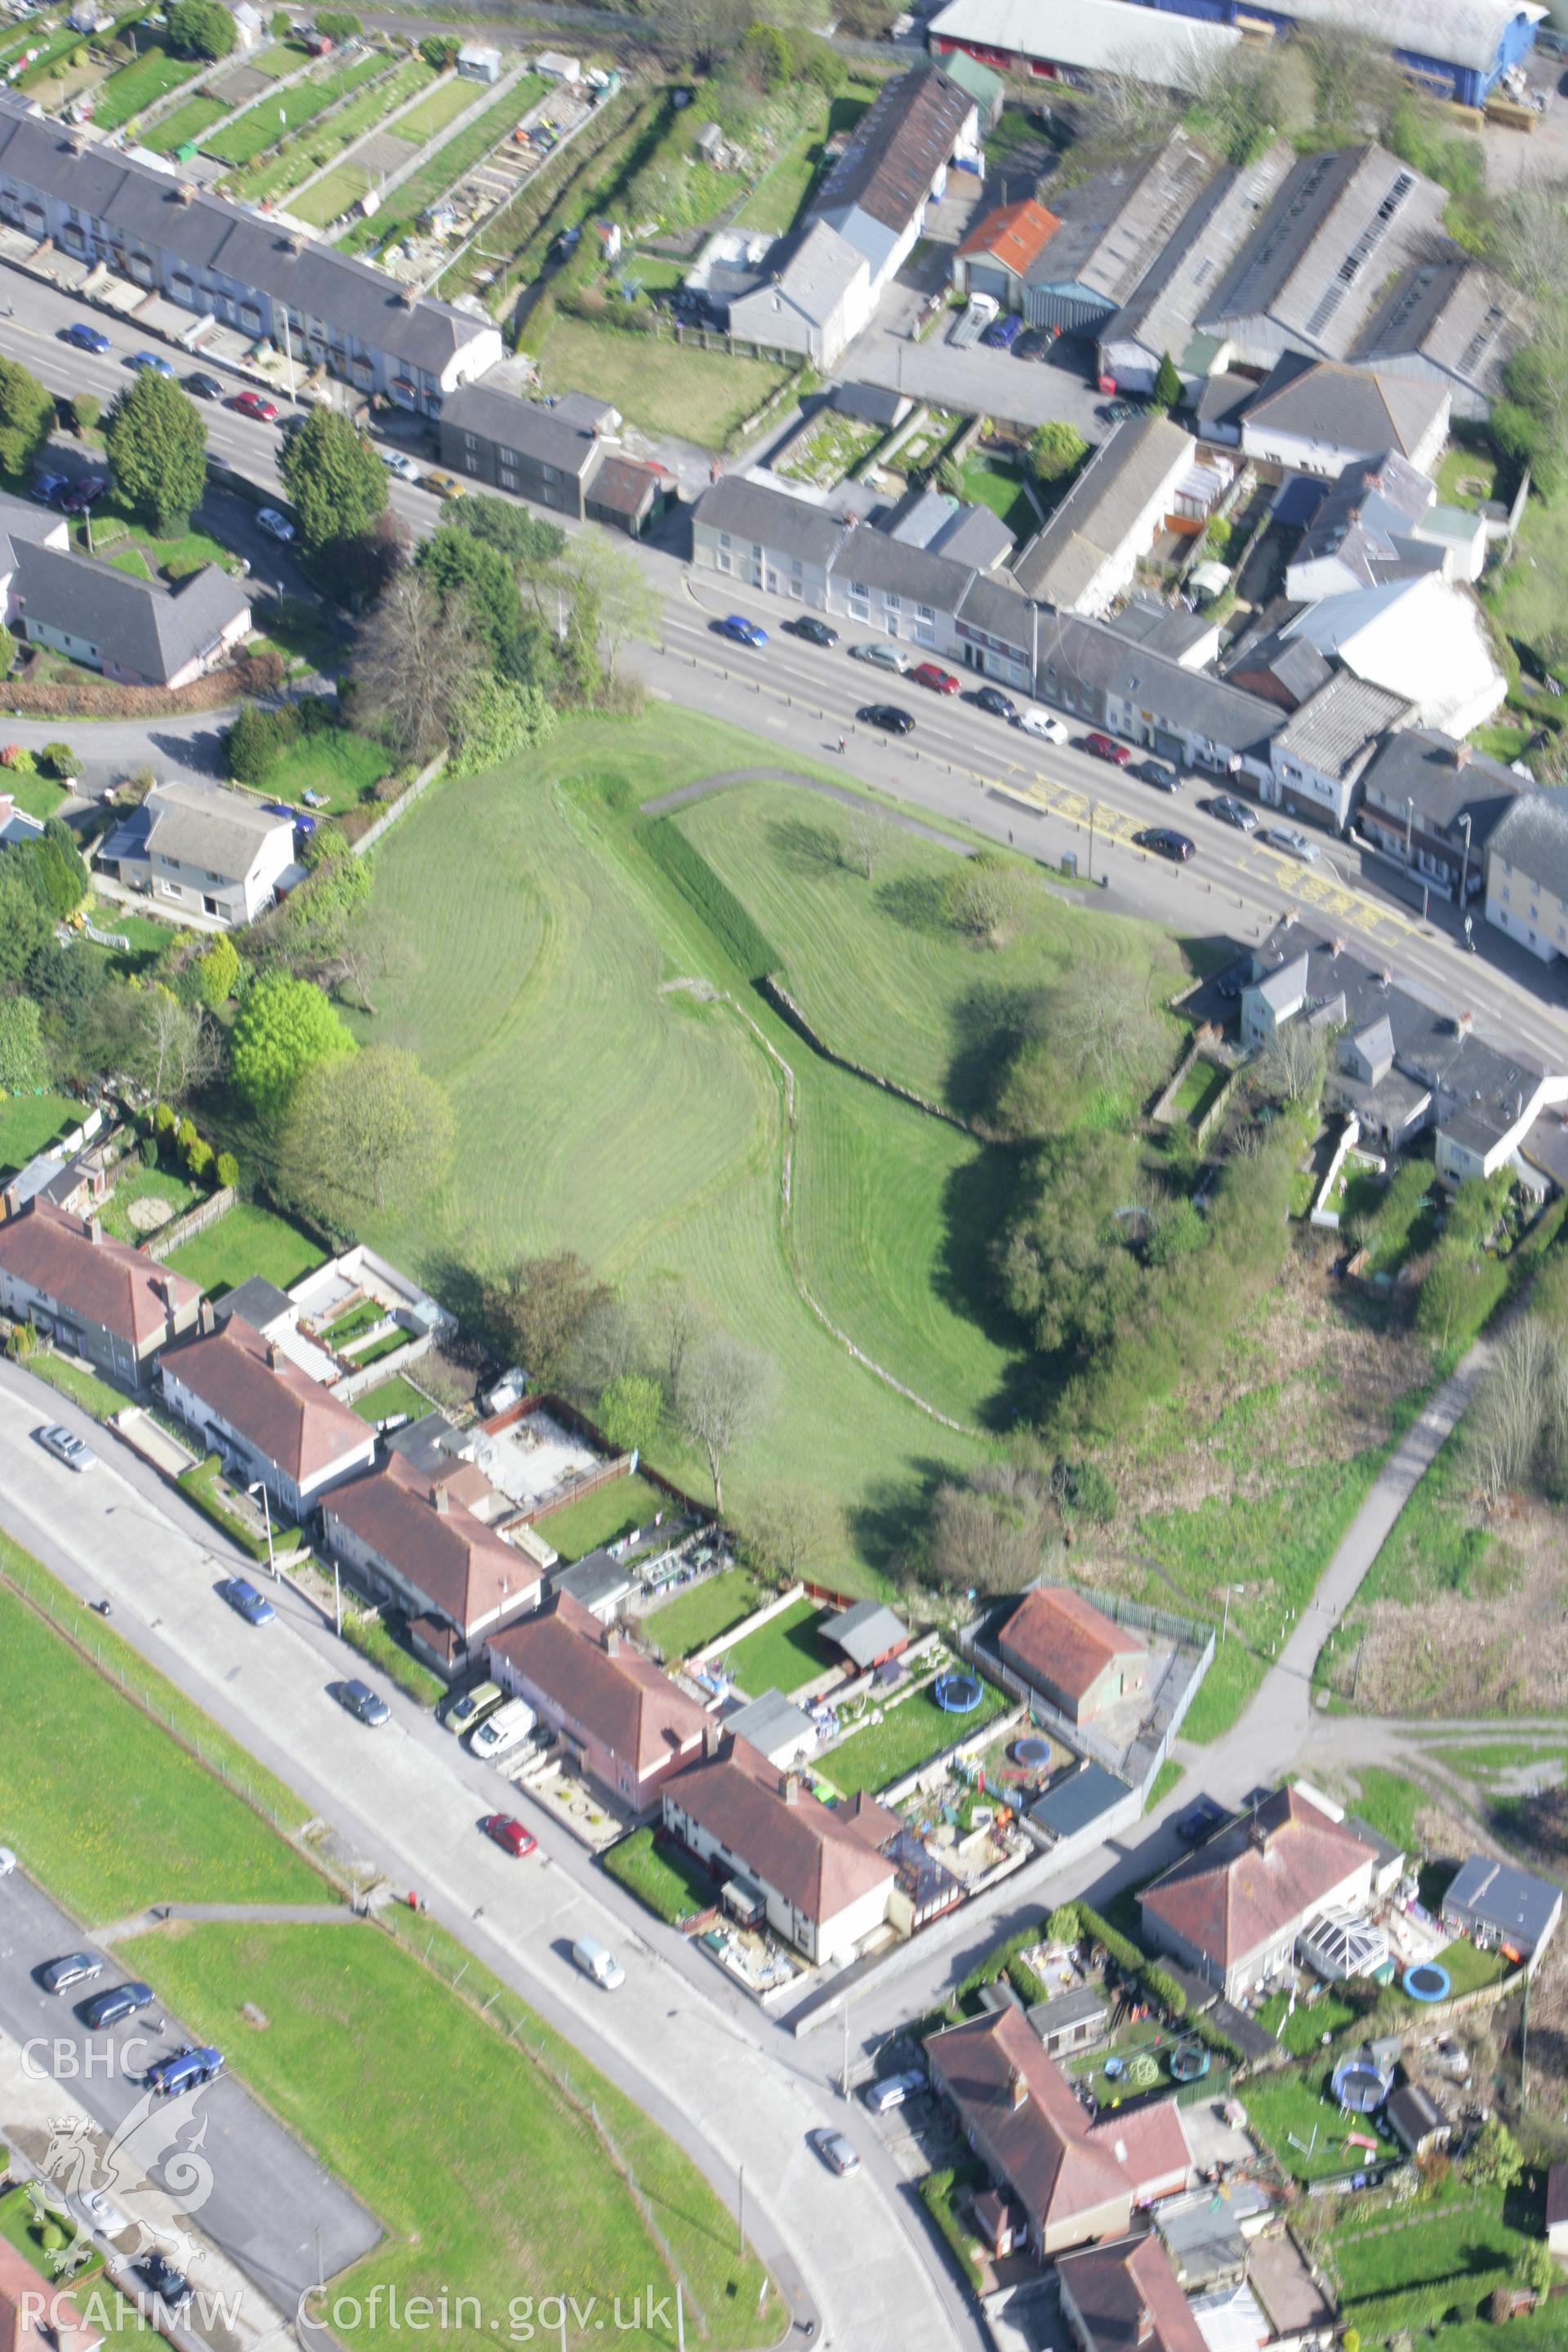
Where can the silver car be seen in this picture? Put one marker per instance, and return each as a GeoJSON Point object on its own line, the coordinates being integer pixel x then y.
{"type": "Point", "coordinates": [884, 657]}
{"type": "Point", "coordinates": [1294, 843]}
{"type": "Point", "coordinates": [840, 2154]}
{"type": "Point", "coordinates": [893, 2090]}
{"type": "Point", "coordinates": [65, 1446]}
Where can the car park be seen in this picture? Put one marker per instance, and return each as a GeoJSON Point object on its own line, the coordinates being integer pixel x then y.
{"type": "Point", "coordinates": [996, 704]}
{"type": "Point", "coordinates": [151, 362]}
{"type": "Point", "coordinates": [1165, 842]}
{"type": "Point", "coordinates": [75, 1969]}
{"type": "Point", "coordinates": [883, 656]}
{"type": "Point", "coordinates": [1103, 747]}
{"type": "Point", "coordinates": [509, 1835]}
{"type": "Point", "coordinates": [1233, 812]}
{"type": "Point", "coordinates": [1003, 332]}
{"type": "Point", "coordinates": [398, 462]}
{"type": "Point", "coordinates": [1159, 774]}
{"type": "Point", "coordinates": [1293, 844]}
{"type": "Point", "coordinates": [1041, 724]}
{"type": "Point", "coordinates": [839, 2154]}
{"type": "Point", "coordinates": [276, 526]}
{"type": "Point", "coordinates": [888, 716]}
{"type": "Point", "coordinates": [255, 404]}
{"type": "Point", "coordinates": [742, 632]}
{"type": "Point", "coordinates": [88, 338]}
{"type": "Point", "coordinates": [932, 675]}
{"type": "Point", "coordinates": [816, 632]}
{"type": "Point", "coordinates": [113, 2006]}
{"type": "Point", "coordinates": [246, 1601]}
{"type": "Point", "coordinates": [892, 2090]}
{"type": "Point", "coordinates": [65, 1446]}
{"type": "Point", "coordinates": [364, 1704]}
{"type": "Point", "coordinates": [469, 1708]}
{"type": "Point", "coordinates": [202, 386]}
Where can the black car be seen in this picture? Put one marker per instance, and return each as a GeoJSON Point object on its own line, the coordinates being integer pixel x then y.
{"type": "Point", "coordinates": [1000, 705]}
{"type": "Point", "coordinates": [1234, 978]}
{"type": "Point", "coordinates": [816, 632]}
{"type": "Point", "coordinates": [113, 2006]}
{"type": "Point", "coordinates": [1201, 1823]}
{"type": "Point", "coordinates": [1117, 412]}
{"type": "Point", "coordinates": [204, 386]}
{"type": "Point", "coordinates": [1164, 779]}
{"type": "Point", "coordinates": [170, 2286]}
{"type": "Point", "coordinates": [888, 716]}
{"type": "Point", "coordinates": [1165, 844]}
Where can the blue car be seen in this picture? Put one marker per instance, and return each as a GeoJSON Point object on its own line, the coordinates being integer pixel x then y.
{"type": "Point", "coordinates": [302, 823]}
{"type": "Point", "coordinates": [253, 1606]}
{"type": "Point", "coordinates": [184, 2070]}
{"type": "Point", "coordinates": [85, 338]}
{"type": "Point", "coordinates": [743, 632]}
{"type": "Point", "coordinates": [140, 359]}
{"type": "Point", "coordinates": [1002, 331]}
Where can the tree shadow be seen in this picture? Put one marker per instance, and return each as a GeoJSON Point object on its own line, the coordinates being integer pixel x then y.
{"type": "Point", "coordinates": [915, 902]}
{"type": "Point", "coordinates": [976, 1208]}
{"type": "Point", "coordinates": [988, 1025]}
{"type": "Point", "coordinates": [888, 1528]}
{"type": "Point", "coordinates": [815, 850]}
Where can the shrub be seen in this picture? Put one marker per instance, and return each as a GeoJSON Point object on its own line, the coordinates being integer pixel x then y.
{"type": "Point", "coordinates": [186, 1135]}
{"type": "Point", "coordinates": [1165, 1990]}
{"type": "Point", "coordinates": [162, 1120]}
{"type": "Point", "coordinates": [227, 1170]}
{"type": "Point", "coordinates": [61, 761]}
{"type": "Point", "coordinates": [147, 1151]}
{"type": "Point", "coordinates": [258, 740]}
{"type": "Point", "coordinates": [1122, 1948]}
{"type": "Point", "coordinates": [19, 759]}
{"type": "Point", "coordinates": [199, 1160]}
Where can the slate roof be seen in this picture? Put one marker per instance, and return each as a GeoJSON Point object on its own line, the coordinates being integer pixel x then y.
{"type": "Point", "coordinates": [142, 625]}
{"type": "Point", "coordinates": [1351, 407]}
{"type": "Point", "coordinates": [1255, 1880]}
{"type": "Point", "coordinates": [1014, 234]}
{"type": "Point", "coordinates": [868, 556]}
{"type": "Point", "coordinates": [1534, 836]}
{"type": "Point", "coordinates": [1340, 727]}
{"type": "Point", "coordinates": [1097, 658]}
{"type": "Point", "coordinates": [1514, 1903]}
{"type": "Point", "coordinates": [1081, 1797]}
{"type": "Point", "coordinates": [1160, 313]}
{"type": "Point", "coordinates": [289, 1418]}
{"type": "Point", "coordinates": [897, 149]}
{"type": "Point", "coordinates": [612, 1693]}
{"type": "Point", "coordinates": [1128, 2298]}
{"type": "Point", "coordinates": [466, 1573]}
{"type": "Point", "coordinates": [1365, 518]}
{"type": "Point", "coordinates": [1456, 314]}
{"type": "Point", "coordinates": [771, 1721]}
{"type": "Point", "coordinates": [1288, 670]}
{"type": "Point", "coordinates": [1164, 629]}
{"type": "Point", "coordinates": [770, 519]}
{"type": "Point", "coordinates": [820, 1858]}
{"type": "Point", "coordinates": [623, 486]}
{"type": "Point", "coordinates": [1220, 401]}
{"type": "Point", "coordinates": [1445, 780]}
{"type": "Point", "coordinates": [1140, 460]}
{"type": "Point", "coordinates": [546, 435]}
{"type": "Point", "coordinates": [993, 602]}
{"type": "Point", "coordinates": [1056, 1634]}
{"type": "Point", "coordinates": [1084, 2004]}
{"type": "Point", "coordinates": [102, 1280]}
{"type": "Point", "coordinates": [260, 1302]}
{"type": "Point", "coordinates": [865, 1632]}
{"type": "Point", "coordinates": [815, 267]}
{"type": "Point", "coordinates": [207, 825]}
{"type": "Point", "coordinates": [1116, 224]}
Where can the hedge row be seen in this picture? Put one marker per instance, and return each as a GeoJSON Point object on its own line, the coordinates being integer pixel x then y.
{"type": "Point", "coordinates": [936, 2196]}
{"type": "Point", "coordinates": [741, 939]}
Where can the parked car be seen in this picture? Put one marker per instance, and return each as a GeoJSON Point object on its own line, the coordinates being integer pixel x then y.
{"type": "Point", "coordinates": [153, 361]}
{"type": "Point", "coordinates": [814, 632]}
{"type": "Point", "coordinates": [243, 1598]}
{"type": "Point", "coordinates": [172, 2288]}
{"type": "Point", "coordinates": [7, 1861]}
{"type": "Point", "coordinates": [884, 657]}
{"type": "Point", "coordinates": [888, 716]}
{"type": "Point", "coordinates": [65, 1446]}
{"type": "Point", "coordinates": [1003, 332]}
{"type": "Point", "coordinates": [76, 1969]}
{"type": "Point", "coordinates": [1042, 724]}
{"type": "Point", "coordinates": [1157, 772]}
{"type": "Point", "coordinates": [1034, 343]}
{"type": "Point", "coordinates": [893, 2090]}
{"type": "Point", "coordinates": [1293, 843]}
{"type": "Point", "coordinates": [302, 823]}
{"type": "Point", "coordinates": [1104, 747]}
{"type": "Point", "coordinates": [202, 386]}
{"type": "Point", "coordinates": [471, 1707]}
{"type": "Point", "coordinates": [87, 338]}
{"type": "Point", "coordinates": [257, 404]}
{"type": "Point", "coordinates": [83, 496]}
{"type": "Point", "coordinates": [1117, 412]}
{"type": "Point", "coordinates": [1165, 842]}
{"type": "Point", "coordinates": [840, 2154]}
{"type": "Point", "coordinates": [509, 1835]}
{"type": "Point", "coordinates": [597, 1961]}
{"type": "Point", "coordinates": [507, 1726]}
{"type": "Point", "coordinates": [1199, 1821]}
{"type": "Point", "coordinates": [94, 2211]}
{"type": "Point", "coordinates": [998, 705]}
{"type": "Point", "coordinates": [445, 485]}
{"type": "Point", "coordinates": [113, 2006]}
{"type": "Point", "coordinates": [364, 1704]}
{"type": "Point", "coordinates": [398, 462]}
{"type": "Point", "coordinates": [742, 632]}
{"type": "Point", "coordinates": [1234, 978]}
{"type": "Point", "coordinates": [276, 526]}
{"type": "Point", "coordinates": [183, 2070]}
{"type": "Point", "coordinates": [50, 488]}
{"type": "Point", "coordinates": [1231, 811]}
{"type": "Point", "coordinates": [932, 674]}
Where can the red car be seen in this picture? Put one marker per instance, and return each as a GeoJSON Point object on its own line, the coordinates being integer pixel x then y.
{"type": "Point", "coordinates": [932, 674]}
{"type": "Point", "coordinates": [251, 404]}
{"type": "Point", "coordinates": [509, 1835]}
{"type": "Point", "coordinates": [1100, 746]}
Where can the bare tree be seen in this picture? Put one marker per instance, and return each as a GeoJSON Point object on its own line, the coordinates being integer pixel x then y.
{"type": "Point", "coordinates": [990, 1534]}
{"type": "Point", "coordinates": [182, 1048]}
{"type": "Point", "coordinates": [726, 1388]}
{"type": "Point", "coordinates": [793, 1529]}
{"type": "Point", "coordinates": [1132, 112]}
{"type": "Point", "coordinates": [1355, 82]}
{"type": "Point", "coordinates": [869, 836]}
{"type": "Point", "coordinates": [629, 604]}
{"type": "Point", "coordinates": [677, 1319]}
{"type": "Point", "coordinates": [1519, 1408]}
{"type": "Point", "coordinates": [361, 1127]}
{"type": "Point", "coordinates": [1291, 1065]}
{"type": "Point", "coordinates": [415, 660]}
{"type": "Point", "coordinates": [1104, 1023]}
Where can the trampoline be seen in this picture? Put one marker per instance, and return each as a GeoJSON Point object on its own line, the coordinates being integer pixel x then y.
{"type": "Point", "coordinates": [958, 1693]}
{"type": "Point", "coordinates": [1359, 2085]}
{"type": "Point", "coordinates": [1034, 1754]}
{"type": "Point", "coordinates": [1427, 1982]}
{"type": "Point", "coordinates": [1189, 2063]}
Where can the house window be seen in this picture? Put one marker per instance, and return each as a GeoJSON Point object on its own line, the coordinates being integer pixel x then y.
{"type": "Point", "coordinates": [892, 602]}
{"type": "Point", "coordinates": [855, 589]}
{"type": "Point", "coordinates": [470, 441]}
{"type": "Point", "coordinates": [507, 479]}
{"type": "Point", "coordinates": [723, 539]}
{"type": "Point", "coordinates": [926, 612]}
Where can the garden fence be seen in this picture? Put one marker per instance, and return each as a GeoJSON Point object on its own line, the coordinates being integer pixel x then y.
{"type": "Point", "coordinates": [179, 1230]}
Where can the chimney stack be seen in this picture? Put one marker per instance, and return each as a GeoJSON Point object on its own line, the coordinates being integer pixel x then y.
{"type": "Point", "coordinates": [713, 1739]}
{"type": "Point", "coordinates": [792, 1787]}
{"type": "Point", "coordinates": [95, 1230]}
{"type": "Point", "coordinates": [611, 1641]}
{"type": "Point", "coordinates": [272, 1355]}
{"type": "Point", "coordinates": [439, 1500]}
{"type": "Point", "coordinates": [1017, 2090]}
{"type": "Point", "coordinates": [1461, 755]}
{"type": "Point", "coordinates": [206, 1321]}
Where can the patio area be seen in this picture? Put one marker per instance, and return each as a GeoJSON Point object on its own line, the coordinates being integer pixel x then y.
{"type": "Point", "coordinates": [535, 1460]}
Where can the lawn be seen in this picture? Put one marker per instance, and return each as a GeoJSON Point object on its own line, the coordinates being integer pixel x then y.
{"type": "Point", "coordinates": [361, 2057]}
{"type": "Point", "coordinates": [139, 1183]}
{"type": "Point", "coordinates": [29, 1124]}
{"type": "Point", "coordinates": [435, 111]}
{"type": "Point", "coordinates": [1446, 2256]}
{"type": "Point", "coordinates": [610, 1512]}
{"type": "Point", "coordinates": [779, 194]}
{"type": "Point", "coordinates": [377, 1643]}
{"type": "Point", "coordinates": [186, 126]}
{"type": "Point", "coordinates": [1167, 1778]}
{"type": "Point", "coordinates": [691, 1620]}
{"type": "Point", "coordinates": [663, 387]}
{"type": "Point", "coordinates": [992, 482]}
{"type": "Point", "coordinates": [394, 1396]}
{"type": "Point", "coordinates": [1526, 596]}
{"type": "Point", "coordinates": [342, 767]}
{"type": "Point", "coordinates": [1471, 1969]}
{"type": "Point", "coordinates": [36, 795]}
{"type": "Point", "coordinates": [249, 1240]}
{"type": "Point", "coordinates": [101, 1803]}
{"type": "Point", "coordinates": [782, 1653]}
{"type": "Point", "coordinates": [337, 192]}
{"type": "Point", "coordinates": [272, 119]}
{"type": "Point", "coordinates": [174, 555]}
{"type": "Point", "coordinates": [1289, 2108]}
{"type": "Point", "coordinates": [131, 560]}
{"type": "Point", "coordinates": [664, 1877]}
{"type": "Point", "coordinates": [83, 1387]}
{"type": "Point", "coordinates": [148, 76]}
{"type": "Point", "coordinates": [447, 164]}
{"type": "Point", "coordinates": [908, 1735]}
{"type": "Point", "coordinates": [1306, 2024]}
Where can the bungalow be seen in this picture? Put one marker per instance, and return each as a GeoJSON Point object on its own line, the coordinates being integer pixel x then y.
{"type": "Point", "coordinates": [1086, 554]}
{"type": "Point", "coordinates": [868, 1632]}
{"type": "Point", "coordinates": [272, 1423]}
{"type": "Point", "coordinates": [1125, 2298]}
{"type": "Point", "coordinates": [818, 1870]}
{"type": "Point", "coordinates": [203, 849]}
{"type": "Point", "coordinates": [1074, 2180]}
{"type": "Point", "coordinates": [997, 255]}
{"type": "Point", "coordinates": [138, 631]}
{"type": "Point", "coordinates": [1503, 1908]}
{"type": "Point", "coordinates": [1232, 1912]}
{"type": "Point", "coordinates": [624, 1723]}
{"type": "Point", "coordinates": [1076, 1657]}
{"type": "Point", "coordinates": [412, 1539]}
{"type": "Point", "coordinates": [107, 1302]}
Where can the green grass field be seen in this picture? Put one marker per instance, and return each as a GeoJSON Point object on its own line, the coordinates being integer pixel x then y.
{"type": "Point", "coordinates": [336, 192]}
{"type": "Point", "coordinates": [782, 1653]}
{"type": "Point", "coordinates": [448, 163]}
{"type": "Point", "coordinates": [249, 1240]}
{"type": "Point", "coordinates": [991, 482]}
{"type": "Point", "coordinates": [1305, 2025]}
{"type": "Point", "coordinates": [364, 2056]}
{"type": "Point", "coordinates": [149, 76]}
{"type": "Point", "coordinates": [604, 1517]}
{"type": "Point", "coordinates": [662, 1876]}
{"type": "Point", "coordinates": [1447, 2256]}
{"type": "Point", "coordinates": [694, 1619]}
{"type": "Point", "coordinates": [661, 385]}
{"type": "Point", "coordinates": [908, 1735]}
{"type": "Point", "coordinates": [29, 1124]}
{"type": "Point", "coordinates": [101, 1804]}
{"type": "Point", "coordinates": [1303, 2126]}
{"type": "Point", "coordinates": [36, 795]}
{"type": "Point", "coordinates": [83, 1387]}
{"type": "Point", "coordinates": [341, 766]}
{"type": "Point", "coordinates": [297, 158]}
{"type": "Point", "coordinates": [187, 124]}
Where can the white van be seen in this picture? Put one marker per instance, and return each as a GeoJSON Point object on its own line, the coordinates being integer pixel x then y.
{"type": "Point", "coordinates": [597, 1961]}
{"type": "Point", "coordinates": [503, 1729]}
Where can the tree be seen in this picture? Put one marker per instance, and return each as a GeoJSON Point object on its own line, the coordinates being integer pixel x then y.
{"type": "Point", "coordinates": [202, 28]}
{"type": "Point", "coordinates": [630, 1408]}
{"type": "Point", "coordinates": [529, 544]}
{"type": "Point", "coordinates": [1355, 80]}
{"type": "Point", "coordinates": [27, 417]}
{"type": "Point", "coordinates": [1535, 2266]}
{"type": "Point", "coordinates": [335, 479]}
{"type": "Point", "coordinates": [791, 1531]}
{"type": "Point", "coordinates": [1107, 1028]}
{"type": "Point", "coordinates": [62, 761]}
{"type": "Point", "coordinates": [258, 740]}
{"type": "Point", "coordinates": [25, 925]}
{"type": "Point", "coordinates": [497, 721]}
{"type": "Point", "coordinates": [338, 24]}
{"type": "Point", "coordinates": [458, 564]}
{"type": "Point", "coordinates": [1167, 383]}
{"type": "Point", "coordinates": [1497, 2159]}
{"type": "Point", "coordinates": [1519, 1415]}
{"type": "Point", "coordinates": [630, 604]}
{"type": "Point", "coordinates": [725, 1392]}
{"type": "Point", "coordinates": [179, 1049]}
{"type": "Point", "coordinates": [677, 1319]}
{"type": "Point", "coordinates": [157, 449]}
{"type": "Point", "coordinates": [24, 1064]}
{"type": "Point", "coordinates": [416, 657]}
{"type": "Point", "coordinates": [364, 1129]}
{"type": "Point", "coordinates": [870, 833]}
{"type": "Point", "coordinates": [538, 1312]}
{"type": "Point", "coordinates": [767, 58]}
{"type": "Point", "coordinates": [580, 647]}
{"type": "Point", "coordinates": [283, 1027]}
{"type": "Point", "coordinates": [280, 24]}
{"type": "Point", "coordinates": [990, 1534]}
{"type": "Point", "coordinates": [1291, 1066]}
{"type": "Point", "coordinates": [215, 974]}
{"type": "Point", "coordinates": [1055, 450]}
{"type": "Point", "coordinates": [440, 51]}
{"type": "Point", "coordinates": [986, 896]}
{"type": "Point", "coordinates": [1064, 1926]}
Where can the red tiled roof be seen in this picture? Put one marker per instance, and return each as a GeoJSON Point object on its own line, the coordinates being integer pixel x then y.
{"type": "Point", "coordinates": [817, 1857]}
{"type": "Point", "coordinates": [465, 1572]}
{"type": "Point", "coordinates": [1056, 1634]}
{"type": "Point", "coordinates": [1254, 1881]}
{"type": "Point", "coordinates": [1129, 2298]}
{"type": "Point", "coordinates": [612, 1695]}
{"type": "Point", "coordinates": [289, 1418]}
{"type": "Point", "coordinates": [1015, 235]}
{"type": "Point", "coordinates": [1148, 2144]}
{"type": "Point", "coordinates": [102, 1281]}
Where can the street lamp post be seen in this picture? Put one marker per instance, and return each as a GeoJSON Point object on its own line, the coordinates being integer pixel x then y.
{"type": "Point", "coordinates": [259, 1488]}
{"type": "Point", "coordinates": [1464, 867]}
{"type": "Point", "coordinates": [1410, 820]}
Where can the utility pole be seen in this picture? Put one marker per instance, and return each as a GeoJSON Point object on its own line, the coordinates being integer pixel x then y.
{"type": "Point", "coordinates": [1524, 2050]}
{"type": "Point", "coordinates": [338, 1596]}
{"type": "Point", "coordinates": [1091, 841]}
{"type": "Point", "coordinates": [680, 2319]}
{"type": "Point", "coordinates": [1465, 867]}
{"type": "Point", "coordinates": [740, 2212]}
{"type": "Point", "coordinates": [1410, 820]}
{"type": "Point", "coordinates": [844, 2079]}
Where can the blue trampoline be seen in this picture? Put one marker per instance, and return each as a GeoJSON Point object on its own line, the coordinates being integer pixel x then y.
{"type": "Point", "coordinates": [1359, 2084]}
{"type": "Point", "coordinates": [1427, 1982]}
{"type": "Point", "coordinates": [1034, 1754]}
{"type": "Point", "coordinates": [958, 1693]}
